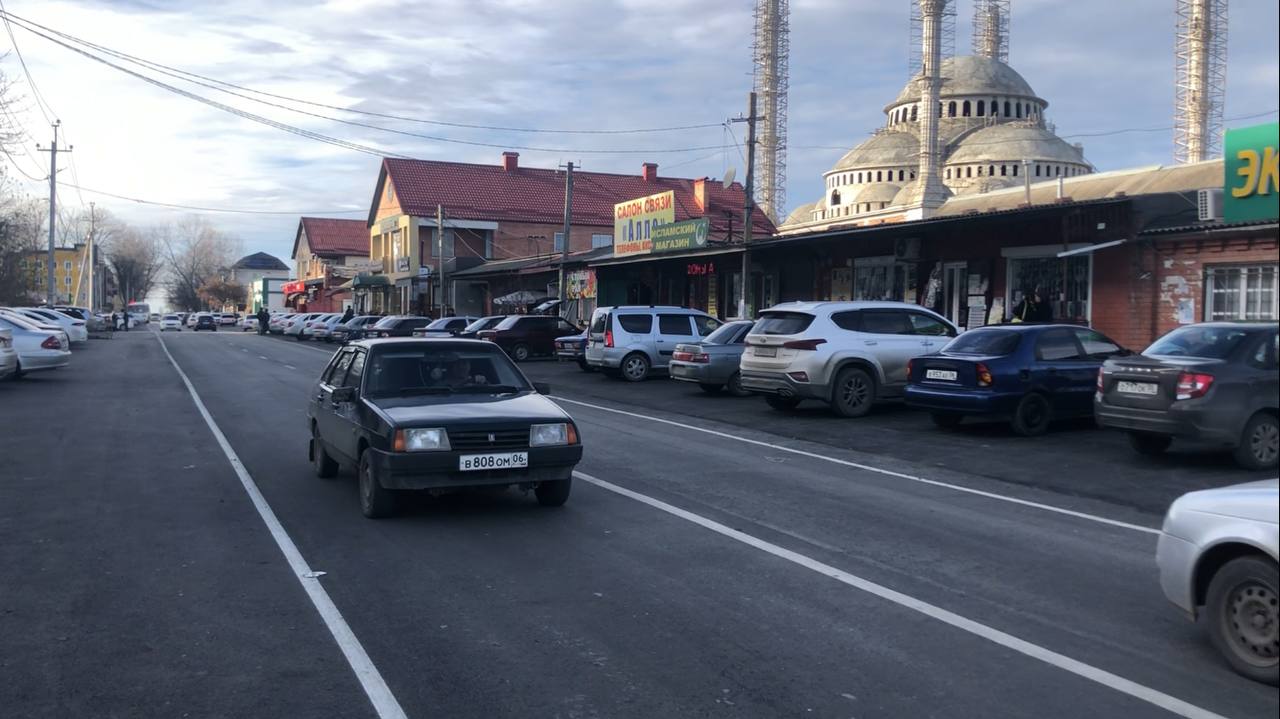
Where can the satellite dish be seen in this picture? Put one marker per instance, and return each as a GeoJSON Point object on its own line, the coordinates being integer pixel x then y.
{"type": "Point", "coordinates": [728, 178]}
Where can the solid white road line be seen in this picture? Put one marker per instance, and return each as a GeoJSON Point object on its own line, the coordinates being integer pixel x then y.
{"type": "Point", "coordinates": [876, 470]}
{"type": "Point", "coordinates": [289, 366]}
{"type": "Point", "coordinates": [1004, 639]}
{"type": "Point", "coordinates": [384, 702]}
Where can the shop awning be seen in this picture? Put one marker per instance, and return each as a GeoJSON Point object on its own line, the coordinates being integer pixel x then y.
{"type": "Point", "coordinates": [1091, 248]}
{"type": "Point", "coordinates": [520, 297]}
{"type": "Point", "coordinates": [370, 281]}
{"type": "Point", "coordinates": [734, 249]}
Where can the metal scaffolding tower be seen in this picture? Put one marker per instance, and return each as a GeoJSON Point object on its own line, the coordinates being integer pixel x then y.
{"type": "Point", "coordinates": [991, 29]}
{"type": "Point", "coordinates": [946, 37]}
{"type": "Point", "coordinates": [770, 53]}
{"type": "Point", "coordinates": [1201, 66]}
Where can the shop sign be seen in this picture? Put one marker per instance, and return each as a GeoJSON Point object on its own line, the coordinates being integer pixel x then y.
{"type": "Point", "coordinates": [698, 269]}
{"type": "Point", "coordinates": [634, 221]}
{"type": "Point", "coordinates": [402, 264]}
{"type": "Point", "coordinates": [388, 224]}
{"type": "Point", "coordinates": [1251, 166]}
{"type": "Point", "coordinates": [677, 236]}
{"type": "Point", "coordinates": [580, 284]}
{"type": "Point", "coordinates": [290, 288]}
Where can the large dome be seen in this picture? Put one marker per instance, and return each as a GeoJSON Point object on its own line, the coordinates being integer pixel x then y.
{"type": "Point", "coordinates": [1014, 141]}
{"type": "Point", "coordinates": [971, 75]}
{"type": "Point", "coordinates": [883, 149]}
{"type": "Point", "coordinates": [803, 213]}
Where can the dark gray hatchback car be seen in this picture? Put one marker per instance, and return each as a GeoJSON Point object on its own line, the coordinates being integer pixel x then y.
{"type": "Point", "coordinates": [1214, 382]}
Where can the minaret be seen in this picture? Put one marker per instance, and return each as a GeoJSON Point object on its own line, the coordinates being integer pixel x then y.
{"type": "Point", "coordinates": [929, 192]}
{"type": "Point", "coordinates": [991, 29]}
{"type": "Point", "coordinates": [1201, 60]}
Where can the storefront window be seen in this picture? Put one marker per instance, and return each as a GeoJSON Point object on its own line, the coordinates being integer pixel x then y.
{"type": "Point", "coordinates": [873, 279]}
{"type": "Point", "coordinates": [1241, 293]}
{"type": "Point", "coordinates": [1063, 283]}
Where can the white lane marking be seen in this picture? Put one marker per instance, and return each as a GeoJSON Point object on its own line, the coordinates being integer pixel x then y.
{"type": "Point", "coordinates": [384, 702]}
{"type": "Point", "coordinates": [290, 366]}
{"type": "Point", "coordinates": [262, 356]}
{"type": "Point", "coordinates": [878, 470]}
{"type": "Point", "coordinates": [1004, 639]}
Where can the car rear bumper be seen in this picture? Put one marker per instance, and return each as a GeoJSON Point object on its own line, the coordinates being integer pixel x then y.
{"type": "Point", "coordinates": [608, 357]}
{"type": "Point", "coordinates": [962, 400]}
{"type": "Point", "coordinates": [783, 386]}
{"type": "Point", "coordinates": [8, 363]}
{"type": "Point", "coordinates": [1175, 558]}
{"type": "Point", "coordinates": [44, 359]}
{"type": "Point", "coordinates": [1187, 421]}
{"type": "Point", "coordinates": [698, 372]}
{"type": "Point", "coordinates": [432, 470]}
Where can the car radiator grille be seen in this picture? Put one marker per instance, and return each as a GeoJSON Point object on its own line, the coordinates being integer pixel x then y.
{"type": "Point", "coordinates": [489, 440]}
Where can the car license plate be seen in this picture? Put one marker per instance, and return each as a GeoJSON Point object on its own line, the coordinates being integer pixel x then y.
{"type": "Point", "coordinates": [948, 375]}
{"type": "Point", "coordinates": [1143, 388]}
{"type": "Point", "coordinates": [766, 351]}
{"type": "Point", "coordinates": [679, 369]}
{"type": "Point", "coordinates": [475, 462]}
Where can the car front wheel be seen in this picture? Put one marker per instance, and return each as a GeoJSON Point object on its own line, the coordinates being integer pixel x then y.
{"type": "Point", "coordinates": [553, 493]}
{"type": "Point", "coordinates": [376, 501]}
{"type": "Point", "coordinates": [1259, 443]}
{"type": "Point", "coordinates": [1241, 609]}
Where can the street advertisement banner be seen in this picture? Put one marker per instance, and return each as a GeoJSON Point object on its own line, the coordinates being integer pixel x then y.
{"type": "Point", "coordinates": [684, 235]}
{"type": "Point", "coordinates": [634, 221]}
{"type": "Point", "coordinates": [1251, 174]}
{"type": "Point", "coordinates": [580, 284]}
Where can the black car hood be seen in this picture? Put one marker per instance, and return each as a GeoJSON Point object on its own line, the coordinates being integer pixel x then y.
{"type": "Point", "coordinates": [426, 410]}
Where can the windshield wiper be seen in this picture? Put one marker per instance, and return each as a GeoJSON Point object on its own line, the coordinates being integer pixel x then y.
{"type": "Point", "coordinates": [423, 390]}
{"type": "Point", "coordinates": [488, 388]}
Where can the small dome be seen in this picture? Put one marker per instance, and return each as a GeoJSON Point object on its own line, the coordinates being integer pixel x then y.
{"type": "Point", "coordinates": [904, 195]}
{"type": "Point", "coordinates": [259, 261]}
{"type": "Point", "coordinates": [803, 213]}
{"type": "Point", "coordinates": [878, 192]}
{"type": "Point", "coordinates": [1015, 142]}
{"type": "Point", "coordinates": [971, 75]}
{"type": "Point", "coordinates": [883, 149]}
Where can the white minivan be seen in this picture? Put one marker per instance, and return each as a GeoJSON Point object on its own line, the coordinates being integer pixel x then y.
{"type": "Point", "coordinates": [633, 341]}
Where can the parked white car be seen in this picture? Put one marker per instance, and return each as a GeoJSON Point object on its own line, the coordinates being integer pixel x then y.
{"type": "Point", "coordinates": [37, 349]}
{"type": "Point", "coordinates": [321, 328]}
{"type": "Point", "coordinates": [8, 355]}
{"type": "Point", "coordinates": [76, 329]}
{"type": "Point", "coordinates": [171, 322]}
{"type": "Point", "coordinates": [250, 322]}
{"type": "Point", "coordinates": [294, 325]}
{"type": "Point", "coordinates": [1217, 555]}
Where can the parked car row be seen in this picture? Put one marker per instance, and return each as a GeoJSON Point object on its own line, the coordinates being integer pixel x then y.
{"type": "Point", "coordinates": [36, 339]}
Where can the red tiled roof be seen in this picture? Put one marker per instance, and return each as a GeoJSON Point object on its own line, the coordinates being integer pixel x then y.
{"type": "Point", "coordinates": [529, 194]}
{"type": "Point", "coordinates": [329, 237]}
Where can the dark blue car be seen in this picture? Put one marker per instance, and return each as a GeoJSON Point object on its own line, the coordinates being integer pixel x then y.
{"type": "Point", "coordinates": [1028, 374]}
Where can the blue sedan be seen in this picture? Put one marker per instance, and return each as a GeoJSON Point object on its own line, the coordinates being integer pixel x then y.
{"type": "Point", "coordinates": [1028, 374]}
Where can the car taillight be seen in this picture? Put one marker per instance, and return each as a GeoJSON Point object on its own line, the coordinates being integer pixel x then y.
{"type": "Point", "coordinates": [803, 344]}
{"type": "Point", "coordinates": [984, 375]}
{"type": "Point", "coordinates": [608, 338]}
{"type": "Point", "coordinates": [1192, 385]}
{"type": "Point", "coordinates": [1100, 390]}
{"type": "Point", "coordinates": [51, 343]}
{"type": "Point", "coordinates": [910, 364]}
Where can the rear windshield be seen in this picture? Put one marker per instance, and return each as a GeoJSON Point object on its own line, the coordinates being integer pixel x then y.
{"type": "Point", "coordinates": [724, 334]}
{"type": "Point", "coordinates": [984, 342]}
{"type": "Point", "coordinates": [1199, 341]}
{"type": "Point", "coordinates": [508, 322]}
{"type": "Point", "coordinates": [641, 324]}
{"type": "Point", "coordinates": [388, 321]}
{"type": "Point", "coordinates": [599, 322]}
{"type": "Point", "coordinates": [441, 324]}
{"type": "Point", "coordinates": [782, 323]}
{"type": "Point", "coordinates": [483, 324]}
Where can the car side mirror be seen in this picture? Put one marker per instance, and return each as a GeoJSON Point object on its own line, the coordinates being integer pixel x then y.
{"type": "Point", "coordinates": [542, 387]}
{"type": "Point", "coordinates": [342, 394]}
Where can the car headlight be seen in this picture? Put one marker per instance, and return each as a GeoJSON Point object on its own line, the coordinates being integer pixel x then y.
{"type": "Point", "coordinates": [421, 440]}
{"type": "Point", "coordinates": [550, 435]}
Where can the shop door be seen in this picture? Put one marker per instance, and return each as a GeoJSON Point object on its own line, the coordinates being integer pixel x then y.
{"type": "Point", "coordinates": [955, 278]}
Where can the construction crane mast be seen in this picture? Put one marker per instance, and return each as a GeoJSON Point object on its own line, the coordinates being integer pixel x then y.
{"type": "Point", "coordinates": [991, 29]}
{"type": "Point", "coordinates": [770, 52]}
{"type": "Point", "coordinates": [1201, 67]}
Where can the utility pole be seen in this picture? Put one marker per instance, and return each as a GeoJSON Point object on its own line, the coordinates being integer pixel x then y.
{"type": "Point", "coordinates": [440, 256]}
{"type": "Point", "coordinates": [748, 205]}
{"type": "Point", "coordinates": [53, 209]}
{"type": "Point", "coordinates": [568, 223]}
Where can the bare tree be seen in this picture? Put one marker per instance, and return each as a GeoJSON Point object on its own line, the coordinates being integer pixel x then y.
{"type": "Point", "coordinates": [194, 252]}
{"type": "Point", "coordinates": [134, 257]}
{"type": "Point", "coordinates": [220, 292]}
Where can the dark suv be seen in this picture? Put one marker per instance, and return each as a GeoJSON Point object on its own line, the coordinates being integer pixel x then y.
{"type": "Point", "coordinates": [206, 322]}
{"type": "Point", "coordinates": [523, 336]}
{"type": "Point", "coordinates": [1215, 382]}
{"type": "Point", "coordinates": [396, 326]}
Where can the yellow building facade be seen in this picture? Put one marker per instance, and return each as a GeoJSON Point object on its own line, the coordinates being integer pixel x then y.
{"type": "Point", "coordinates": [68, 261]}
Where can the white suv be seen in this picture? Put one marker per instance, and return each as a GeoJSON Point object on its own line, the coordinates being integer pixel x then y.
{"type": "Point", "coordinates": [633, 341]}
{"type": "Point", "coordinates": [848, 354]}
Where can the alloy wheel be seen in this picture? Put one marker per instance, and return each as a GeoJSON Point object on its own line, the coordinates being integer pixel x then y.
{"type": "Point", "coordinates": [1265, 442]}
{"type": "Point", "coordinates": [854, 392]}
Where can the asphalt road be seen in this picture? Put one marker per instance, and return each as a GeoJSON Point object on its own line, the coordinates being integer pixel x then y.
{"type": "Point", "coordinates": [716, 559]}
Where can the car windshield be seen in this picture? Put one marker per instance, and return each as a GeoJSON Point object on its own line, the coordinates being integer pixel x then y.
{"type": "Point", "coordinates": [1209, 341]}
{"type": "Point", "coordinates": [171, 318]}
{"type": "Point", "coordinates": [508, 322]}
{"type": "Point", "coordinates": [724, 334]}
{"type": "Point", "coordinates": [990, 342]}
{"type": "Point", "coordinates": [434, 368]}
{"type": "Point", "coordinates": [388, 321]}
{"type": "Point", "coordinates": [782, 323]}
{"type": "Point", "coordinates": [483, 324]}
{"type": "Point", "coordinates": [441, 324]}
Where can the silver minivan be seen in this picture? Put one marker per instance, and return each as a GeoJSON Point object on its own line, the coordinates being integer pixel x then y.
{"type": "Point", "coordinates": [633, 341]}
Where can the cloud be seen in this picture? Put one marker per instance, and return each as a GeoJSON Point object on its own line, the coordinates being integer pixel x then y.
{"type": "Point", "coordinates": [579, 64]}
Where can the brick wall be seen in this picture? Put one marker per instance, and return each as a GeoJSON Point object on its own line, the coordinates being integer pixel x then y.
{"type": "Point", "coordinates": [1181, 265]}
{"type": "Point", "coordinates": [511, 238]}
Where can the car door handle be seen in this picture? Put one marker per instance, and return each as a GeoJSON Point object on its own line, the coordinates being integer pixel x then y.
{"type": "Point", "coordinates": [870, 343]}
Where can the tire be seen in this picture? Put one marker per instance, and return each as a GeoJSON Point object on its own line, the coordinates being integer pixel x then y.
{"type": "Point", "coordinates": [17, 372]}
{"type": "Point", "coordinates": [376, 501]}
{"type": "Point", "coordinates": [1259, 442]}
{"type": "Point", "coordinates": [1242, 596]}
{"type": "Point", "coordinates": [780, 403]}
{"type": "Point", "coordinates": [554, 493]}
{"type": "Point", "coordinates": [1032, 416]}
{"type": "Point", "coordinates": [1149, 444]}
{"type": "Point", "coordinates": [854, 392]}
{"type": "Point", "coordinates": [946, 420]}
{"type": "Point", "coordinates": [582, 365]}
{"type": "Point", "coordinates": [635, 367]}
{"type": "Point", "coordinates": [520, 352]}
{"type": "Point", "coordinates": [710, 388]}
{"type": "Point", "coordinates": [325, 466]}
{"type": "Point", "coordinates": [299, 337]}
{"type": "Point", "coordinates": [734, 385]}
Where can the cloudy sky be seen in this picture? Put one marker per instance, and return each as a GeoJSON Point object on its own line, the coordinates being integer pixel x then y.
{"type": "Point", "coordinates": [1104, 66]}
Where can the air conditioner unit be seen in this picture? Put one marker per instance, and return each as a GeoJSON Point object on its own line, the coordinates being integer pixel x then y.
{"type": "Point", "coordinates": [1209, 204]}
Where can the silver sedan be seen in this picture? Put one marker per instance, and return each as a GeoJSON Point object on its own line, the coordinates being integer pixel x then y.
{"type": "Point", "coordinates": [37, 349]}
{"type": "Point", "coordinates": [1217, 555]}
{"type": "Point", "coordinates": [712, 364]}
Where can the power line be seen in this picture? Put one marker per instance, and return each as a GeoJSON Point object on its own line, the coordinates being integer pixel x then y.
{"type": "Point", "coordinates": [179, 74]}
{"type": "Point", "coordinates": [214, 209]}
{"type": "Point", "coordinates": [35, 91]}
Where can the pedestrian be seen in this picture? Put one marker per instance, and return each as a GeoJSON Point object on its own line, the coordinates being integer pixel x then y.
{"type": "Point", "coordinates": [1033, 307]}
{"type": "Point", "coordinates": [346, 316]}
{"type": "Point", "coordinates": [264, 319]}
{"type": "Point", "coordinates": [124, 320]}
